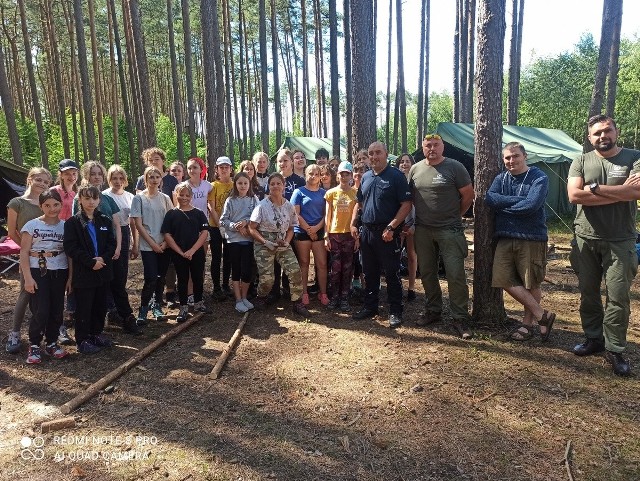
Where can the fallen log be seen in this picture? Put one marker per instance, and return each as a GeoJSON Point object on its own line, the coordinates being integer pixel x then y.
{"type": "Point", "coordinates": [104, 381]}
{"type": "Point", "coordinates": [215, 372]}
{"type": "Point", "coordinates": [56, 424]}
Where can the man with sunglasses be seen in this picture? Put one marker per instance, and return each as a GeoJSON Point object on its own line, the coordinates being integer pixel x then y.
{"type": "Point", "coordinates": [442, 193]}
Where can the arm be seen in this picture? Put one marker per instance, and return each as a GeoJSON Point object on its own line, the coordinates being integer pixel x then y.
{"type": "Point", "coordinates": [168, 238]}
{"type": "Point", "coordinates": [626, 192]}
{"type": "Point", "coordinates": [403, 212]}
{"type": "Point", "coordinates": [578, 194]}
{"type": "Point", "coordinates": [145, 235]}
{"type": "Point", "coordinates": [118, 232]}
{"type": "Point", "coordinates": [255, 233]}
{"type": "Point", "coordinates": [213, 213]}
{"type": "Point", "coordinates": [225, 218]}
{"type": "Point", "coordinates": [68, 288]}
{"type": "Point", "coordinates": [135, 248]}
{"type": "Point", "coordinates": [111, 244]}
{"type": "Point", "coordinates": [466, 198]}
{"type": "Point", "coordinates": [12, 226]}
{"type": "Point", "coordinates": [73, 246]}
{"type": "Point", "coordinates": [199, 243]}
{"type": "Point", "coordinates": [354, 221]}
{"type": "Point", "coordinates": [495, 199]}
{"type": "Point", "coordinates": [328, 215]}
{"type": "Point", "coordinates": [535, 199]}
{"type": "Point", "coordinates": [25, 247]}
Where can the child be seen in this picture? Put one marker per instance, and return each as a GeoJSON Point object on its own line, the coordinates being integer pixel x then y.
{"type": "Point", "coordinates": [89, 241]}
{"type": "Point", "coordinates": [219, 252]}
{"type": "Point", "coordinates": [148, 209]}
{"type": "Point", "coordinates": [46, 275]}
{"type": "Point", "coordinates": [199, 187]}
{"type": "Point", "coordinates": [20, 210]}
{"type": "Point", "coordinates": [341, 201]}
{"type": "Point", "coordinates": [247, 167]}
{"type": "Point", "coordinates": [185, 232]}
{"type": "Point", "coordinates": [261, 163]}
{"type": "Point", "coordinates": [235, 221]}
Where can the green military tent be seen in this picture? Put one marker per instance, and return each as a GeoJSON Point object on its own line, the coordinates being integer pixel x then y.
{"type": "Point", "coordinates": [310, 145]}
{"type": "Point", "coordinates": [13, 179]}
{"type": "Point", "coordinates": [551, 150]}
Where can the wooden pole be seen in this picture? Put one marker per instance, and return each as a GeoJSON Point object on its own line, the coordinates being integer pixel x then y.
{"type": "Point", "coordinates": [103, 382]}
{"type": "Point", "coordinates": [56, 424]}
{"type": "Point", "coordinates": [215, 373]}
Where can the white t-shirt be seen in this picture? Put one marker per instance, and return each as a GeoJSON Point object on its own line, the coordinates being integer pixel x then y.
{"type": "Point", "coordinates": [273, 218]}
{"type": "Point", "coordinates": [48, 238]}
{"type": "Point", "coordinates": [152, 211]}
{"type": "Point", "coordinates": [124, 202]}
{"type": "Point", "coordinates": [200, 193]}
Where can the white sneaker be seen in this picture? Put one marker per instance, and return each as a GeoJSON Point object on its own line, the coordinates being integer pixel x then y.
{"type": "Point", "coordinates": [247, 303]}
{"type": "Point", "coordinates": [13, 342]}
{"type": "Point", "coordinates": [190, 301]}
{"type": "Point", "coordinates": [241, 307]}
{"type": "Point", "coordinates": [63, 336]}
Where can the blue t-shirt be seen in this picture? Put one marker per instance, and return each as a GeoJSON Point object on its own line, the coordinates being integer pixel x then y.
{"type": "Point", "coordinates": [311, 204]}
{"type": "Point", "coordinates": [381, 195]}
{"type": "Point", "coordinates": [91, 227]}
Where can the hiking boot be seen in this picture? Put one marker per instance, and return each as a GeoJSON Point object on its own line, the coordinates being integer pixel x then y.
{"type": "Point", "coordinates": [344, 305]}
{"type": "Point", "coordinates": [589, 347]}
{"type": "Point", "coordinates": [462, 329]}
{"type": "Point", "coordinates": [248, 305]}
{"type": "Point", "coordinates": [87, 347]}
{"type": "Point", "coordinates": [428, 317]}
{"type": "Point", "coordinates": [35, 356]}
{"type": "Point", "coordinates": [130, 325]}
{"type": "Point", "coordinates": [101, 340]}
{"type": "Point", "coordinates": [13, 342]}
{"type": "Point", "coordinates": [64, 338]}
{"type": "Point", "coordinates": [333, 303]}
{"type": "Point", "coordinates": [113, 317]}
{"type": "Point", "coordinates": [240, 307]}
{"type": "Point", "coordinates": [364, 313]}
{"type": "Point", "coordinates": [183, 314]}
{"type": "Point", "coordinates": [395, 320]}
{"type": "Point", "coordinates": [156, 311]}
{"type": "Point", "coordinates": [621, 366]}
{"type": "Point", "coordinates": [55, 351]}
{"type": "Point", "coordinates": [142, 316]}
{"type": "Point", "coordinates": [299, 308]}
{"type": "Point", "coordinates": [200, 307]}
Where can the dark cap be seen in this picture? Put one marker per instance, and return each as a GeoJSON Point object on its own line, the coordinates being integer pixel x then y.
{"type": "Point", "coordinates": [67, 164]}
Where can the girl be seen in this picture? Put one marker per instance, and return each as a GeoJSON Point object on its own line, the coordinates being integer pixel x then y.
{"type": "Point", "coordinates": [261, 163]}
{"type": "Point", "coordinates": [117, 298]}
{"type": "Point", "coordinates": [235, 221]}
{"type": "Point", "coordinates": [404, 163]}
{"type": "Point", "coordinates": [299, 162]}
{"type": "Point", "coordinates": [185, 232]}
{"type": "Point", "coordinates": [20, 210]}
{"type": "Point", "coordinates": [199, 187]}
{"type": "Point", "coordinates": [248, 168]}
{"type": "Point", "coordinates": [271, 226]}
{"type": "Point", "coordinates": [90, 243]}
{"type": "Point", "coordinates": [334, 162]}
{"type": "Point", "coordinates": [341, 201]}
{"type": "Point", "coordinates": [46, 275]}
{"type": "Point", "coordinates": [308, 202]}
{"type": "Point", "coordinates": [148, 209]}
{"type": "Point", "coordinates": [327, 177]}
{"type": "Point", "coordinates": [219, 252]}
{"type": "Point", "coordinates": [177, 170]}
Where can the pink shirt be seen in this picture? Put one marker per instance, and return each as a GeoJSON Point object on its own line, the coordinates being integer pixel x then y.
{"type": "Point", "coordinates": [67, 202]}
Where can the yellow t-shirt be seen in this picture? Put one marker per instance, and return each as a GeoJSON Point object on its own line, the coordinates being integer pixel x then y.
{"type": "Point", "coordinates": [341, 202]}
{"type": "Point", "coordinates": [216, 198]}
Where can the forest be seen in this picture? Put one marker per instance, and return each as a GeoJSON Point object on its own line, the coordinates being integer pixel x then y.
{"type": "Point", "coordinates": [101, 79]}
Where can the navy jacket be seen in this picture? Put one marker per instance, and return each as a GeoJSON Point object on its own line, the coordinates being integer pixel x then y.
{"type": "Point", "coordinates": [79, 247]}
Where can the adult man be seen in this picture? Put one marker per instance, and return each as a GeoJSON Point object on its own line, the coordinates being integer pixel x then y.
{"type": "Point", "coordinates": [385, 201]}
{"type": "Point", "coordinates": [517, 196]}
{"type": "Point", "coordinates": [442, 192]}
{"type": "Point", "coordinates": [605, 185]}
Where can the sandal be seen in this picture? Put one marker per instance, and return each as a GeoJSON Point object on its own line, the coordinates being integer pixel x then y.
{"type": "Point", "coordinates": [548, 318]}
{"type": "Point", "coordinates": [522, 333]}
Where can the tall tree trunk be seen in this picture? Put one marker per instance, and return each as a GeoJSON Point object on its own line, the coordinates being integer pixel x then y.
{"type": "Point", "coordinates": [9, 113]}
{"type": "Point", "coordinates": [243, 106]}
{"type": "Point", "coordinates": [515, 60]}
{"type": "Point", "coordinates": [32, 84]}
{"type": "Point", "coordinates": [462, 59]}
{"type": "Point", "coordinates": [335, 94]}
{"type": "Point", "coordinates": [191, 117]}
{"type": "Point", "coordinates": [249, 89]}
{"type": "Point", "coordinates": [177, 108]}
{"type": "Point", "coordinates": [387, 133]}
{"type": "Point", "coordinates": [612, 84]}
{"type": "Point", "coordinates": [469, 58]}
{"type": "Point", "coordinates": [363, 75]}
{"type": "Point", "coordinates": [73, 83]}
{"type": "Point", "coordinates": [277, 102]}
{"type": "Point", "coordinates": [402, 101]}
{"type": "Point", "coordinates": [348, 81]}
{"type": "Point", "coordinates": [228, 49]}
{"type": "Point", "coordinates": [427, 39]}
{"type": "Point", "coordinates": [488, 306]}
{"type": "Point", "coordinates": [264, 121]}
{"type": "Point", "coordinates": [15, 63]}
{"type": "Point", "coordinates": [306, 102]}
{"type": "Point", "coordinates": [136, 101]}
{"type": "Point", "coordinates": [113, 97]}
{"type": "Point", "coordinates": [456, 63]}
{"type": "Point", "coordinates": [96, 80]}
{"type": "Point", "coordinates": [421, 92]}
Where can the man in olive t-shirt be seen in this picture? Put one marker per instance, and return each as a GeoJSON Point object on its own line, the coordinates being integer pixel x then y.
{"type": "Point", "coordinates": [442, 192]}
{"type": "Point", "coordinates": [605, 184]}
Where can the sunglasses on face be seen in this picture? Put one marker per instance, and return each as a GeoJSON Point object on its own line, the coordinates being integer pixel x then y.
{"type": "Point", "coordinates": [432, 136]}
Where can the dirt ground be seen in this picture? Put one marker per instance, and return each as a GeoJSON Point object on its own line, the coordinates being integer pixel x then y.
{"type": "Point", "coordinates": [329, 398]}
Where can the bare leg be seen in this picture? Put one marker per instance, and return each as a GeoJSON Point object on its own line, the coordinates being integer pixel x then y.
{"type": "Point", "coordinates": [237, 290]}
{"type": "Point", "coordinates": [530, 300]}
{"type": "Point", "coordinates": [303, 248]}
{"type": "Point", "coordinates": [320, 260]}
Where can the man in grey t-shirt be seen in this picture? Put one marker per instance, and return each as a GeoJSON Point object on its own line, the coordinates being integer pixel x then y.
{"type": "Point", "coordinates": [442, 192]}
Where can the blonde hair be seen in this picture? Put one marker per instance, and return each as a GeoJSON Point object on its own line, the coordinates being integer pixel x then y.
{"type": "Point", "coordinates": [85, 170]}
{"type": "Point", "coordinates": [183, 186]}
{"type": "Point", "coordinates": [33, 171]}
{"type": "Point", "coordinates": [257, 156]}
{"type": "Point", "coordinates": [117, 169]}
{"type": "Point", "coordinates": [311, 168]}
{"type": "Point", "coordinates": [283, 153]}
{"type": "Point", "coordinates": [150, 170]}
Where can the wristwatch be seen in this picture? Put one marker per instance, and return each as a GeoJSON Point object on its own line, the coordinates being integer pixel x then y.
{"type": "Point", "coordinates": [593, 187]}
{"type": "Point", "coordinates": [389, 228]}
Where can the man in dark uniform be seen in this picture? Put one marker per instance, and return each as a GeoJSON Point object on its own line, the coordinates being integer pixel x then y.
{"type": "Point", "coordinates": [385, 201]}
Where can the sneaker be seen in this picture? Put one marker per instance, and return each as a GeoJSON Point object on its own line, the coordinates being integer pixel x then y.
{"type": "Point", "coordinates": [200, 307]}
{"type": "Point", "coordinates": [324, 300]}
{"type": "Point", "coordinates": [314, 289]}
{"type": "Point", "coordinates": [13, 343]}
{"type": "Point", "coordinates": [190, 301]}
{"type": "Point", "coordinates": [130, 325]}
{"type": "Point", "coordinates": [113, 317]}
{"type": "Point", "coordinates": [142, 316]}
{"type": "Point", "coordinates": [34, 357]}
{"type": "Point", "coordinates": [87, 347]}
{"type": "Point", "coordinates": [411, 295]}
{"type": "Point", "coordinates": [156, 311]}
{"type": "Point", "coordinates": [344, 305]}
{"type": "Point", "coordinates": [101, 340]}
{"type": "Point", "coordinates": [395, 320]}
{"type": "Point", "coordinates": [55, 351]}
{"type": "Point", "coordinates": [183, 314]}
{"type": "Point", "coordinates": [172, 299]}
{"type": "Point", "coordinates": [218, 295]}
{"type": "Point", "coordinates": [333, 303]}
{"type": "Point", "coordinates": [63, 337]}
{"type": "Point", "coordinates": [228, 292]}
{"type": "Point", "coordinates": [240, 307]}
{"type": "Point", "coordinates": [247, 303]}
{"type": "Point", "coordinates": [305, 299]}
{"type": "Point", "coordinates": [300, 308]}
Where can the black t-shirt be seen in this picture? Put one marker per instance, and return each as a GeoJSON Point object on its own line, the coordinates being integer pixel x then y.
{"type": "Point", "coordinates": [184, 226]}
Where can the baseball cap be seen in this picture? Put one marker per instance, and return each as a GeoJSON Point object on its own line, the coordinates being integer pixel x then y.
{"type": "Point", "coordinates": [224, 161]}
{"type": "Point", "coordinates": [345, 167]}
{"type": "Point", "coordinates": [66, 164]}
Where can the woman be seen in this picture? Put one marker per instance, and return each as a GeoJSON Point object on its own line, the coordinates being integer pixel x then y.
{"type": "Point", "coordinates": [271, 226]}
{"type": "Point", "coordinates": [309, 233]}
{"type": "Point", "coordinates": [248, 168]}
{"type": "Point", "coordinates": [20, 210]}
{"type": "Point", "coordinates": [404, 163]}
{"type": "Point", "coordinates": [299, 162]}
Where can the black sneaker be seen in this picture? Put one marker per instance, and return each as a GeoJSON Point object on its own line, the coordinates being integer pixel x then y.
{"type": "Point", "coordinates": [344, 305]}
{"type": "Point", "coordinates": [364, 313]}
{"type": "Point", "coordinates": [130, 326]}
{"type": "Point", "coordinates": [113, 317]}
{"type": "Point", "coordinates": [395, 320]}
{"type": "Point", "coordinates": [300, 308]}
{"type": "Point", "coordinates": [333, 303]}
{"type": "Point", "coordinates": [183, 315]}
{"type": "Point", "coordinates": [589, 347]}
{"type": "Point", "coordinates": [621, 366]}
{"type": "Point", "coordinates": [218, 295]}
{"type": "Point", "coordinates": [411, 295]}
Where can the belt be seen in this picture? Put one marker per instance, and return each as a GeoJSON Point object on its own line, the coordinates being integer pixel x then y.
{"type": "Point", "coordinates": [44, 253]}
{"type": "Point", "coordinates": [375, 227]}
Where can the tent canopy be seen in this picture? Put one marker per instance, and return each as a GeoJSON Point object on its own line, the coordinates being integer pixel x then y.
{"type": "Point", "coordinates": [13, 179]}
{"type": "Point", "coordinates": [310, 145]}
{"type": "Point", "coordinates": [13, 172]}
{"type": "Point", "coordinates": [551, 150]}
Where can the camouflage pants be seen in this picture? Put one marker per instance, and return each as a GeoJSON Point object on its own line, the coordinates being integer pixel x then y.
{"type": "Point", "coordinates": [286, 258]}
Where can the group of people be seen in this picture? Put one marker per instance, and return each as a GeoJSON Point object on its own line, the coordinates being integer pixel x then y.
{"type": "Point", "coordinates": [355, 219]}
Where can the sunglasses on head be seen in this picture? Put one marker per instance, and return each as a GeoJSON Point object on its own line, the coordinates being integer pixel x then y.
{"type": "Point", "coordinates": [432, 136]}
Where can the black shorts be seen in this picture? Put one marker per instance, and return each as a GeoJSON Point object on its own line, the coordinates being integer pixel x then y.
{"type": "Point", "coordinates": [303, 236]}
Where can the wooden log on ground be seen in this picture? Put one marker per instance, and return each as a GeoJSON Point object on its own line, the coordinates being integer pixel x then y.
{"type": "Point", "coordinates": [56, 424]}
{"type": "Point", "coordinates": [230, 346]}
{"type": "Point", "coordinates": [103, 382]}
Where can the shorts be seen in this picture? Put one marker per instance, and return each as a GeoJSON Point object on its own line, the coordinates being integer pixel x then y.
{"type": "Point", "coordinates": [519, 262]}
{"type": "Point", "coordinates": [303, 236]}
